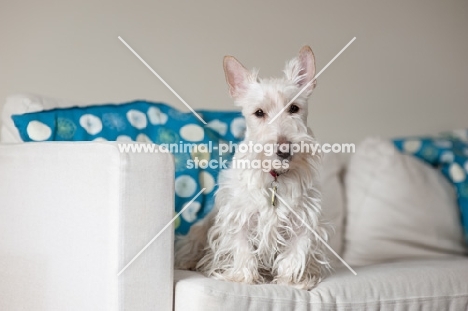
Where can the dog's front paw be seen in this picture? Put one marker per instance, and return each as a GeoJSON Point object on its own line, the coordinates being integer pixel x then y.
{"type": "Point", "coordinates": [240, 275]}
{"type": "Point", "coordinates": [294, 270]}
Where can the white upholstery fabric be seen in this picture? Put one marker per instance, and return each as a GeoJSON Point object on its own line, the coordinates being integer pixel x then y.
{"type": "Point", "coordinates": [423, 285]}
{"type": "Point", "coordinates": [23, 103]}
{"type": "Point", "coordinates": [333, 204]}
{"type": "Point", "coordinates": [398, 208]}
{"type": "Point", "coordinates": [72, 215]}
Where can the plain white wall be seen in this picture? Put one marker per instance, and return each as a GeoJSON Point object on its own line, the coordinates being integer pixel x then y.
{"type": "Point", "coordinates": [407, 72]}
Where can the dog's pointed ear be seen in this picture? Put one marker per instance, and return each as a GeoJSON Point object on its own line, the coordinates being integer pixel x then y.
{"type": "Point", "coordinates": [301, 69]}
{"type": "Point", "coordinates": [237, 76]}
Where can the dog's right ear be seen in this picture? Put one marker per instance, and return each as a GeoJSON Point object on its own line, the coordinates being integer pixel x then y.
{"type": "Point", "coordinates": [237, 76]}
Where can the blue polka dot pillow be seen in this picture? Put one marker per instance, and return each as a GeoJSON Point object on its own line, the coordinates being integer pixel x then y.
{"type": "Point", "coordinates": [449, 153]}
{"type": "Point", "coordinates": [153, 123]}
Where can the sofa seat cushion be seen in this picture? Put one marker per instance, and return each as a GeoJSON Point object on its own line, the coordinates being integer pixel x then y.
{"type": "Point", "coordinates": [430, 284]}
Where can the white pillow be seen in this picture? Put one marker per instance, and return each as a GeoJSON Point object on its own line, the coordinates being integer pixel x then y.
{"type": "Point", "coordinates": [333, 205]}
{"type": "Point", "coordinates": [398, 208]}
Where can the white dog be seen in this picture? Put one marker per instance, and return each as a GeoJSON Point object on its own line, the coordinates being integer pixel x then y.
{"type": "Point", "coordinates": [252, 235]}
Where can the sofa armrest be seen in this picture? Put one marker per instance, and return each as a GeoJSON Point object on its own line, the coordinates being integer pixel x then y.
{"type": "Point", "coordinates": [72, 215]}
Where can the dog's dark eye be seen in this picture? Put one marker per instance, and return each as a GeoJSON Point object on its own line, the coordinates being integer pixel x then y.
{"type": "Point", "coordinates": [259, 113]}
{"type": "Point", "coordinates": [293, 108]}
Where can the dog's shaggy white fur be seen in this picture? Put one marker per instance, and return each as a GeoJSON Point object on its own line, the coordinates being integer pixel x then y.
{"type": "Point", "coordinates": [245, 238]}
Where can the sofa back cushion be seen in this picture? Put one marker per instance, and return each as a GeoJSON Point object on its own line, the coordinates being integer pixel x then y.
{"type": "Point", "coordinates": [333, 201]}
{"type": "Point", "coordinates": [398, 208]}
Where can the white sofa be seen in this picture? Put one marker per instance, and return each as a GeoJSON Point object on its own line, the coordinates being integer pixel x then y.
{"type": "Point", "coordinates": [73, 214]}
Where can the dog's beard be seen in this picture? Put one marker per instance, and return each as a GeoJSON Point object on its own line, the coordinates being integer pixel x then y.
{"type": "Point", "coordinates": [304, 156]}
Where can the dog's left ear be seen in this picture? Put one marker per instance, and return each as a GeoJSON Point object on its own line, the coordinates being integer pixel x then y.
{"type": "Point", "coordinates": [301, 69]}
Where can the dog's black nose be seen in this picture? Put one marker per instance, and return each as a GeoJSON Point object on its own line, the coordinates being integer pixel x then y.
{"type": "Point", "coordinates": [284, 151]}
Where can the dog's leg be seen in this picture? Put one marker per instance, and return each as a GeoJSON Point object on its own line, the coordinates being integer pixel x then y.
{"type": "Point", "coordinates": [301, 263]}
{"type": "Point", "coordinates": [294, 266]}
{"type": "Point", "coordinates": [230, 257]}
